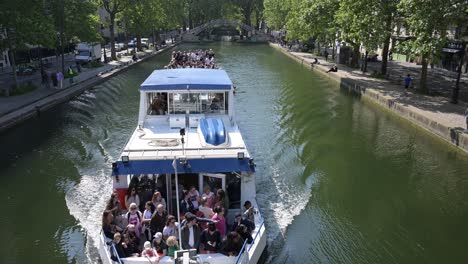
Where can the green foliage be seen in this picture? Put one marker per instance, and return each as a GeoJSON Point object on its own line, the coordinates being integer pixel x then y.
{"type": "Point", "coordinates": [275, 13]}
{"type": "Point", "coordinates": [428, 21]}
{"type": "Point", "coordinates": [21, 89]}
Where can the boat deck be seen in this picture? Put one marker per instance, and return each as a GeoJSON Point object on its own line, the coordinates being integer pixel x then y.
{"type": "Point", "coordinates": [157, 140]}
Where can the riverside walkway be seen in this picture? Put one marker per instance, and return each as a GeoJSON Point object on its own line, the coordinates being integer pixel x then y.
{"type": "Point", "coordinates": [433, 113]}
{"type": "Point", "coordinates": [16, 109]}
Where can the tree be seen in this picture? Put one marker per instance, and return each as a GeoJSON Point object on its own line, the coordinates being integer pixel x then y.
{"type": "Point", "coordinates": [428, 21]}
{"type": "Point", "coordinates": [246, 8]}
{"type": "Point", "coordinates": [113, 7]}
{"type": "Point", "coordinates": [275, 13]}
{"type": "Point", "coordinates": [360, 23]}
{"type": "Point", "coordinates": [74, 19]}
{"type": "Point", "coordinates": [17, 19]}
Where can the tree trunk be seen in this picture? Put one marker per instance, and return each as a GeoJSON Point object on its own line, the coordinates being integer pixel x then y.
{"type": "Point", "coordinates": [112, 37]}
{"type": "Point", "coordinates": [386, 45]}
{"type": "Point", "coordinates": [62, 35]}
{"type": "Point", "coordinates": [333, 51]}
{"type": "Point", "coordinates": [355, 57]}
{"type": "Point", "coordinates": [139, 42]}
{"type": "Point", "coordinates": [364, 68]}
{"type": "Point", "coordinates": [154, 40]}
{"type": "Point", "coordinates": [423, 82]}
{"type": "Point", "coordinates": [456, 89]}
{"type": "Point", "coordinates": [13, 68]}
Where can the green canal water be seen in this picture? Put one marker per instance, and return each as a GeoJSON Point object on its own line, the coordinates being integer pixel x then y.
{"type": "Point", "coordinates": [338, 180]}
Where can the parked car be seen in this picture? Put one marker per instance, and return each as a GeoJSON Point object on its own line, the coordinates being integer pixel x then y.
{"type": "Point", "coordinates": [119, 46]}
{"type": "Point", "coordinates": [131, 44]}
{"type": "Point", "coordinates": [25, 70]}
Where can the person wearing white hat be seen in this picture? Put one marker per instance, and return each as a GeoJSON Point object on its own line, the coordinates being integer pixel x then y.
{"type": "Point", "coordinates": [159, 245]}
{"type": "Point", "coordinates": [148, 251]}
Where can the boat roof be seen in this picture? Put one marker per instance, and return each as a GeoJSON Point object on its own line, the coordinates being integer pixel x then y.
{"type": "Point", "coordinates": [187, 79]}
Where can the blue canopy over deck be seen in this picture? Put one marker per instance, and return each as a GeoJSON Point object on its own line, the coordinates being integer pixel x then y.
{"type": "Point", "coordinates": [187, 79]}
{"type": "Point", "coordinates": [214, 165]}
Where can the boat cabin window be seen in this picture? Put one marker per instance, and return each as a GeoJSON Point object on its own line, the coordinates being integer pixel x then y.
{"type": "Point", "coordinates": [198, 103]}
{"type": "Point", "coordinates": [157, 103]}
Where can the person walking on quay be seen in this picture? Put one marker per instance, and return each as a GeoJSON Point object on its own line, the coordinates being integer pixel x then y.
{"type": "Point", "coordinates": [466, 120]}
{"type": "Point", "coordinates": [70, 74]}
{"type": "Point", "coordinates": [60, 79]}
{"type": "Point", "coordinates": [407, 83]}
{"type": "Point", "coordinates": [53, 77]}
{"type": "Point", "coordinates": [44, 79]}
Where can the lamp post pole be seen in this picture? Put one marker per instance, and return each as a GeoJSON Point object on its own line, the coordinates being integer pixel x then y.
{"type": "Point", "coordinates": [174, 164]}
{"type": "Point", "coordinates": [456, 90]}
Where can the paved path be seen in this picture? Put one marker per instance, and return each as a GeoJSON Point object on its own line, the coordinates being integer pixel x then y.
{"type": "Point", "coordinates": [11, 103]}
{"type": "Point", "coordinates": [435, 113]}
{"type": "Point", "coordinates": [16, 109]}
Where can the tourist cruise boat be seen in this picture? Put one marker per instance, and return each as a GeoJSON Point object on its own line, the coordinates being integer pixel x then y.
{"type": "Point", "coordinates": [187, 135]}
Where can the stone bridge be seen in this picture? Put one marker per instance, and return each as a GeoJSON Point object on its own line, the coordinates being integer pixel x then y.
{"type": "Point", "coordinates": [204, 32]}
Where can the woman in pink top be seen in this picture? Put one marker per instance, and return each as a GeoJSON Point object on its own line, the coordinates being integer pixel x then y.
{"type": "Point", "coordinates": [220, 220]}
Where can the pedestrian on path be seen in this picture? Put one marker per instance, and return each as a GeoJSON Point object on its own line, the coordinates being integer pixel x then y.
{"type": "Point", "coordinates": [466, 120]}
{"type": "Point", "coordinates": [60, 79]}
{"type": "Point", "coordinates": [43, 77]}
{"type": "Point", "coordinates": [53, 77]}
{"type": "Point", "coordinates": [407, 83]}
{"type": "Point", "coordinates": [70, 74]}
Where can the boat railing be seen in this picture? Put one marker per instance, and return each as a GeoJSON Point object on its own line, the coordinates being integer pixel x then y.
{"type": "Point", "coordinates": [114, 251]}
{"type": "Point", "coordinates": [243, 256]}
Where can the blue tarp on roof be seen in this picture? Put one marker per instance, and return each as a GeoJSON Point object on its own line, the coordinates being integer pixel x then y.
{"type": "Point", "coordinates": [194, 166]}
{"type": "Point", "coordinates": [187, 79]}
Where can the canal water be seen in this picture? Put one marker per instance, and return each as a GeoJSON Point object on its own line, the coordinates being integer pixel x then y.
{"type": "Point", "coordinates": [338, 180]}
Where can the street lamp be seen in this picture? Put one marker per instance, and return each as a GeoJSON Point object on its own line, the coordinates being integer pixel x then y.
{"type": "Point", "coordinates": [456, 90]}
{"type": "Point", "coordinates": [102, 33]}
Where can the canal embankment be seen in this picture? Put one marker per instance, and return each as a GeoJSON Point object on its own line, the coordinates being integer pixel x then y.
{"type": "Point", "coordinates": [432, 113]}
{"type": "Point", "coordinates": [25, 108]}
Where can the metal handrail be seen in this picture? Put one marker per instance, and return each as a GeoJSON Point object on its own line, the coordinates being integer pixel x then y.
{"type": "Point", "coordinates": [241, 252]}
{"type": "Point", "coordinates": [245, 244]}
{"type": "Point", "coordinates": [116, 254]}
{"type": "Point", "coordinates": [256, 235]}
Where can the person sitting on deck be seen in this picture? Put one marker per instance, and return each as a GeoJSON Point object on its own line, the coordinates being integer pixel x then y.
{"type": "Point", "coordinates": [107, 227]}
{"type": "Point", "coordinates": [209, 195]}
{"type": "Point", "coordinates": [243, 231]}
{"type": "Point", "coordinates": [131, 240]}
{"type": "Point", "coordinates": [172, 245]}
{"type": "Point", "coordinates": [210, 239]}
{"type": "Point", "coordinates": [194, 197]}
{"type": "Point", "coordinates": [232, 245]}
{"type": "Point", "coordinates": [146, 219]}
{"type": "Point", "coordinates": [159, 245]}
{"type": "Point", "coordinates": [186, 203]}
{"type": "Point", "coordinates": [334, 68]}
{"type": "Point", "coordinates": [157, 199]}
{"type": "Point", "coordinates": [205, 209]}
{"type": "Point", "coordinates": [315, 61]}
{"type": "Point", "coordinates": [158, 220]}
{"type": "Point", "coordinates": [120, 247]}
{"type": "Point", "coordinates": [132, 197]}
{"type": "Point", "coordinates": [171, 228]}
{"type": "Point", "coordinates": [239, 220]}
{"type": "Point", "coordinates": [148, 251]}
{"type": "Point", "coordinates": [134, 217]}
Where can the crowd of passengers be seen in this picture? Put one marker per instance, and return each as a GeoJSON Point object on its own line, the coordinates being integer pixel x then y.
{"type": "Point", "coordinates": [192, 59]}
{"type": "Point", "coordinates": [152, 232]}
